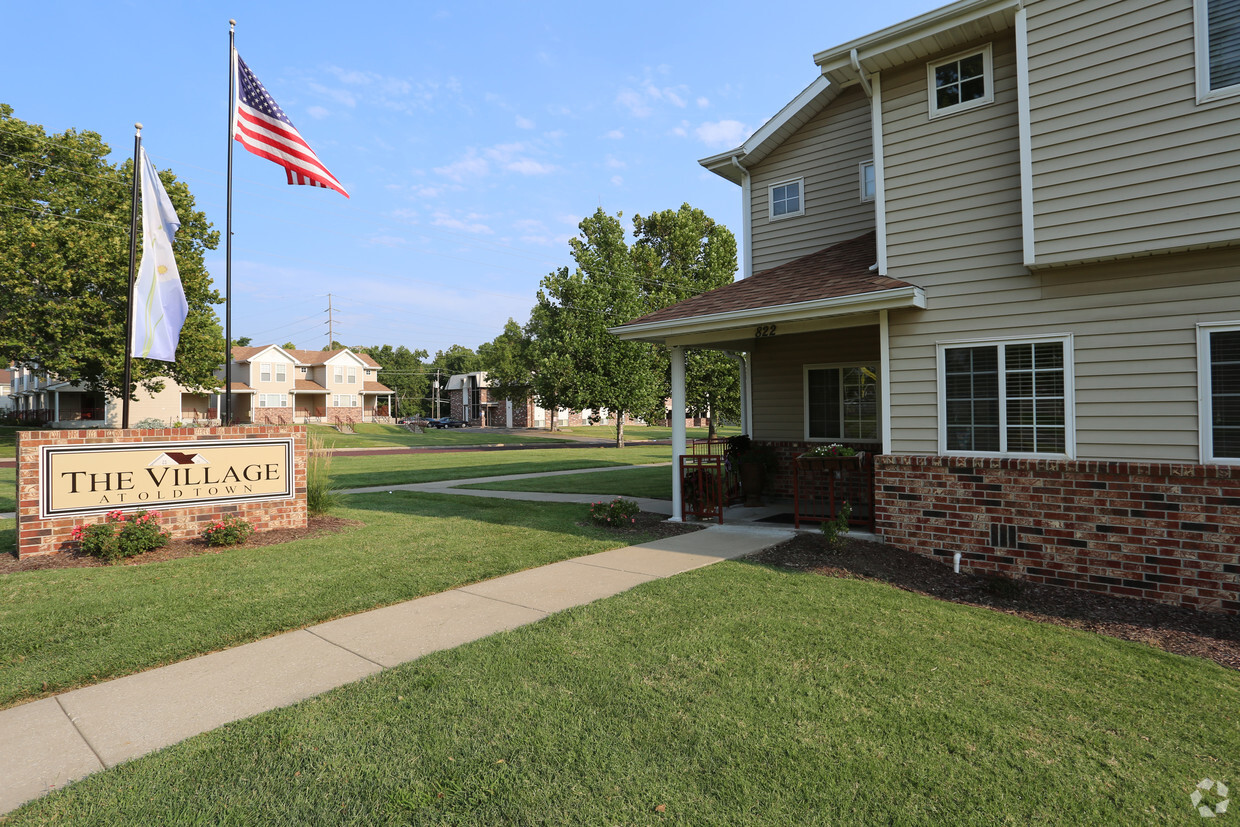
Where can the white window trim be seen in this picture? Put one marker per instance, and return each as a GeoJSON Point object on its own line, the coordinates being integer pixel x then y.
{"type": "Point", "coordinates": [280, 372]}
{"type": "Point", "coordinates": [1205, 423]}
{"type": "Point", "coordinates": [861, 181]}
{"type": "Point", "coordinates": [1069, 394]}
{"type": "Point", "coordinates": [1201, 40]}
{"type": "Point", "coordinates": [352, 376]}
{"type": "Point", "coordinates": [878, 390]}
{"type": "Point", "coordinates": [770, 199]}
{"type": "Point", "coordinates": [988, 72]}
{"type": "Point", "coordinates": [264, 372]}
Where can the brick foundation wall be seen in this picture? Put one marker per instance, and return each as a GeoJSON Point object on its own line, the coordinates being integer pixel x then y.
{"type": "Point", "coordinates": [52, 535]}
{"type": "Point", "coordinates": [271, 416]}
{"type": "Point", "coordinates": [1169, 533]}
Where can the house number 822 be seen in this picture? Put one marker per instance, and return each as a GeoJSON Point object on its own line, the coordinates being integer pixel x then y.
{"type": "Point", "coordinates": [764, 331]}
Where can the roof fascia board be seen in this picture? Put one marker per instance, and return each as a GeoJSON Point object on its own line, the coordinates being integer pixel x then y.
{"type": "Point", "coordinates": [897, 297]}
{"type": "Point", "coordinates": [910, 31]}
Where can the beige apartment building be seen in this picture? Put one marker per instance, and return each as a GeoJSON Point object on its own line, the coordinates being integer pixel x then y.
{"type": "Point", "coordinates": [996, 248]}
{"type": "Point", "coordinates": [271, 385]}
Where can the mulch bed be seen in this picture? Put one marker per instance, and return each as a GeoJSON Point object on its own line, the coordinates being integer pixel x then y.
{"type": "Point", "coordinates": [176, 549]}
{"type": "Point", "coordinates": [655, 525]}
{"type": "Point", "coordinates": [1174, 629]}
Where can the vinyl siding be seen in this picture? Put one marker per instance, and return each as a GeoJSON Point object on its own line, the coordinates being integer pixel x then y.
{"type": "Point", "coordinates": [1125, 161]}
{"type": "Point", "coordinates": [778, 374]}
{"type": "Point", "coordinates": [1134, 343]}
{"type": "Point", "coordinates": [825, 152]}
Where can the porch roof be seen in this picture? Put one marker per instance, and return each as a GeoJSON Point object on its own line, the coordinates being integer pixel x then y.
{"type": "Point", "coordinates": [834, 281]}
{"type": "Point", "coordinates": [307, 386]}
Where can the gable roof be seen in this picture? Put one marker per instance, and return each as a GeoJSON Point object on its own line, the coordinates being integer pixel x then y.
{"type": "Point", "coordinates": [833, 281]}
{"type": "Point", "coordinates": [303, 357]}
{"type": "Point", "coordinates": [943, 29]}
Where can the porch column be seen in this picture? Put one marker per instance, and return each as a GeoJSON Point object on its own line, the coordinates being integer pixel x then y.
{"type": "Point", "coordinates": [56, 406]}
{"type": "Point", "coordinates": [884, 380]}
{"type": "Point", "coordinates": [678, 424]}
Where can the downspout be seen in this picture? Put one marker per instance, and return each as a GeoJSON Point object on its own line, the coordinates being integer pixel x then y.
{"type": "Point", "coordinates": [742, 365]}
{"type": "Point", "coordinates": [873, 91]}
{"type": "Point", "coordinates": [746, 216]}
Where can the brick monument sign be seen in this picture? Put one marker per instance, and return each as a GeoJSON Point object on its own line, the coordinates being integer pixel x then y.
{"type": "Point", "coordinates": [192, 476]}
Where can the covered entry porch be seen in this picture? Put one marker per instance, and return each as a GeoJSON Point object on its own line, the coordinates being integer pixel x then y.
{"type": "Point", "coordinates": [813, 341]}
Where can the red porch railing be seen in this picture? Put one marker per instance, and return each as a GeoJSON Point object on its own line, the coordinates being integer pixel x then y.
{"type": "Point", "coordinates": [707, 483]}
{"type": "Point", "coordinates": [821, 486]}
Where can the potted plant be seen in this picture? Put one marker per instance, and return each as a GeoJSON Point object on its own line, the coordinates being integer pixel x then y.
{"type": "Point", "coordinates": [752, 462]}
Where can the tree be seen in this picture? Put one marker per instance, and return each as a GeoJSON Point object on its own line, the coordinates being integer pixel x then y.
{"type": "Point", "coordinates": [289, 346]}
{"type": "Point", "coordinates": [680, 254]}
{"type": "Point", "coordinates": [404, 372]}
{"type": "Point", "coordinates": [573, 352]}
{"type": "Point", "coordinates": [64, 263]}
{"type": "Point", "coordinates": [507, 363]}
{"type": "Point", "coordinates": [457, 359]}
{"type": "Point", "coordinates": [244, 341]}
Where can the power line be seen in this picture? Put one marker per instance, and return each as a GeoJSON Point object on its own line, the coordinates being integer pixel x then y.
{"type": "Point", "coordinates": [49, 214]}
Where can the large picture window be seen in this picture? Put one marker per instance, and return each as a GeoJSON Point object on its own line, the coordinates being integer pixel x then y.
{"type": "Point", "coordinates": [1218, 348]}
{"type": "Point", "coordinates": [1006, 397]}
{"type": "Point", "coordinates": [841, 402]}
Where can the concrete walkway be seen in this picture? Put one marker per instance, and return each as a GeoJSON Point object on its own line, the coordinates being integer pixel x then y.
{"type": "Point", "coordinates": [49, 743]}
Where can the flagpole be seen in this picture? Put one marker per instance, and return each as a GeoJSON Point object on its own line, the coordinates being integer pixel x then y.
{"type": "Point", "coordinates": [126, 382]}
{"type": "Point", "coordinates": [227, 417]}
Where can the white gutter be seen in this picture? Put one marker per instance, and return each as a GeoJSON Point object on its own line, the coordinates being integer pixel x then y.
{"type": "Point", "coordinates": [1025, 133]}
{"type": "Point", "coordinates": [896, 297]}
{"type": "Point", "coordinates": [746, 220]}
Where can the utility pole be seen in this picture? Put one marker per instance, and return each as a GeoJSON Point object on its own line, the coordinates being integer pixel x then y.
{"type": "Point", "coordinates": [436, 393]}
{"type": "Point", "coordinates": [330, 335]}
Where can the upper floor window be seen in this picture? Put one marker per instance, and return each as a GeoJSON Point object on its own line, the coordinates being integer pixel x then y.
{"type": "Point", "coordinates": [352, 376]}
{"type": "Point", "coordinates": [281, 374]}
{"type": "Point", "coordinates": [961, 82]}
{"type": "Point", "coordinates": [264, 372]}
{"type": "Point", "coordinates": [868, 181]}
{"type": "Point", "coordinates": [1217, 32]}
{"type": "Point", "coordinates": [338, 374]}
{"type": "Point", "coordinates": [786, 199]}
{"type": "Point", "coordinates": [1218, 366]}
{"type": "Point", "coordinates": [1008, 397]}
{"type": "Point", "coordinates": [841, 402]}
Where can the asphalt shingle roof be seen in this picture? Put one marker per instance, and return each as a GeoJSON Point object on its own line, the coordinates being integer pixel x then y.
{"type": "Point", "coordinates": [842, 269]}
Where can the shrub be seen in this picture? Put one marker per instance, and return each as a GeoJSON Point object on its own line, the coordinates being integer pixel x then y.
{"type": "Point", "coordinates": [320, 495]}
{"type": "Point", "coordinates": [619, 512]}
{"type": "Point", "coordinates": [120, 536]}
{"type": "Point", "coordinates": [149, 423]}
{"type": "Point", "coordinates": [230, 531]}
{"type": "Point", "coordinates": [833, 531]}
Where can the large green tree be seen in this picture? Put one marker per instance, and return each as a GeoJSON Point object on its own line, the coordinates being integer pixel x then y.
{"type": "Point", "coordinates": [64, 263]}
{"type": "Point", "coordinates": [680, 254]}
{"type": "Point", "coordinates": [405, 373]}
{"type": "Point", "coordinates": [572, 349]}
{"type": "Point", "coordinates": [506, 361]}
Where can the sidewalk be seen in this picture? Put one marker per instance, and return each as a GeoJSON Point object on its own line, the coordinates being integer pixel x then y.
{"type": "Point", "coordinates": [49, 743]}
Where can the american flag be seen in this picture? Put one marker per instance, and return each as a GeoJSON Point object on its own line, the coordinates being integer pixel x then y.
{"type": "Point", "coordinates": [262, 127]}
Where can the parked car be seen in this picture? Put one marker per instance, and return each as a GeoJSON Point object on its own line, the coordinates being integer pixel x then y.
{"type": "Point", "coordinates": [449, 422]}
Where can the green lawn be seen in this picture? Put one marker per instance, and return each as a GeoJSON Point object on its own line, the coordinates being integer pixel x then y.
{"type": "Point", "coordinates": [8, 536]}
{"type": "Point", "coordinates": [638, 432]}
{"type": "Point", "coordinates": [654, 483]}
{"type": "Point", "coordinates": [68, 627]}
{"type": "Point", "coordinates": [731, 695]}
{"type": "Point", "coordinates": [359, 472]}
{"type": "Point", "coordinates": [8, 441]}
{"type": "Point", "coordinates": [371, 435]}
{"type": "Point", "coordinates": [8, 490]}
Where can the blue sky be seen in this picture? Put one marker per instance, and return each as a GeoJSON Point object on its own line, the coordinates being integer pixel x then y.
{"type": "Point", "coordinates": [472, 137]}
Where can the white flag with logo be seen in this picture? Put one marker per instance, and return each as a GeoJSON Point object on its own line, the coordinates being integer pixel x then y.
{"type": "Point", "coordinates": [159, 306]}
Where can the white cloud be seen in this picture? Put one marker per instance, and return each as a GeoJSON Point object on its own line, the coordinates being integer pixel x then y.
{"type": "Point", "coordinates": [703, 103]}
{"type": "Point", "coordinates": [317, 112]}
{"type": "Point", "coordinates": [388, 240]}
{"type": "Point", "coordinates": [615, 135]}
{"type": "Point", "coordinates": [724, 133]}
{"type": "Point", "coordinates": [634, 102]}
{"type": "Point", "coordinates": [614, 163]}
{"type": "Point", "coordinates": [528, 166]}
{"type": "Point", "coordinates": [471, 166]}
{"type": "Point", "coordinates": [469, 224]}
{"type": "Point", "coordinates": [617, 180]}
{"type": "Point", "coordinates": [529, 225]}
{"type": "Point", "coordinates": [524, 123]}
{"type": "Point", "coordinates": [341, 96]}
{"type": "Point", "coordinates": [681, 131]}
